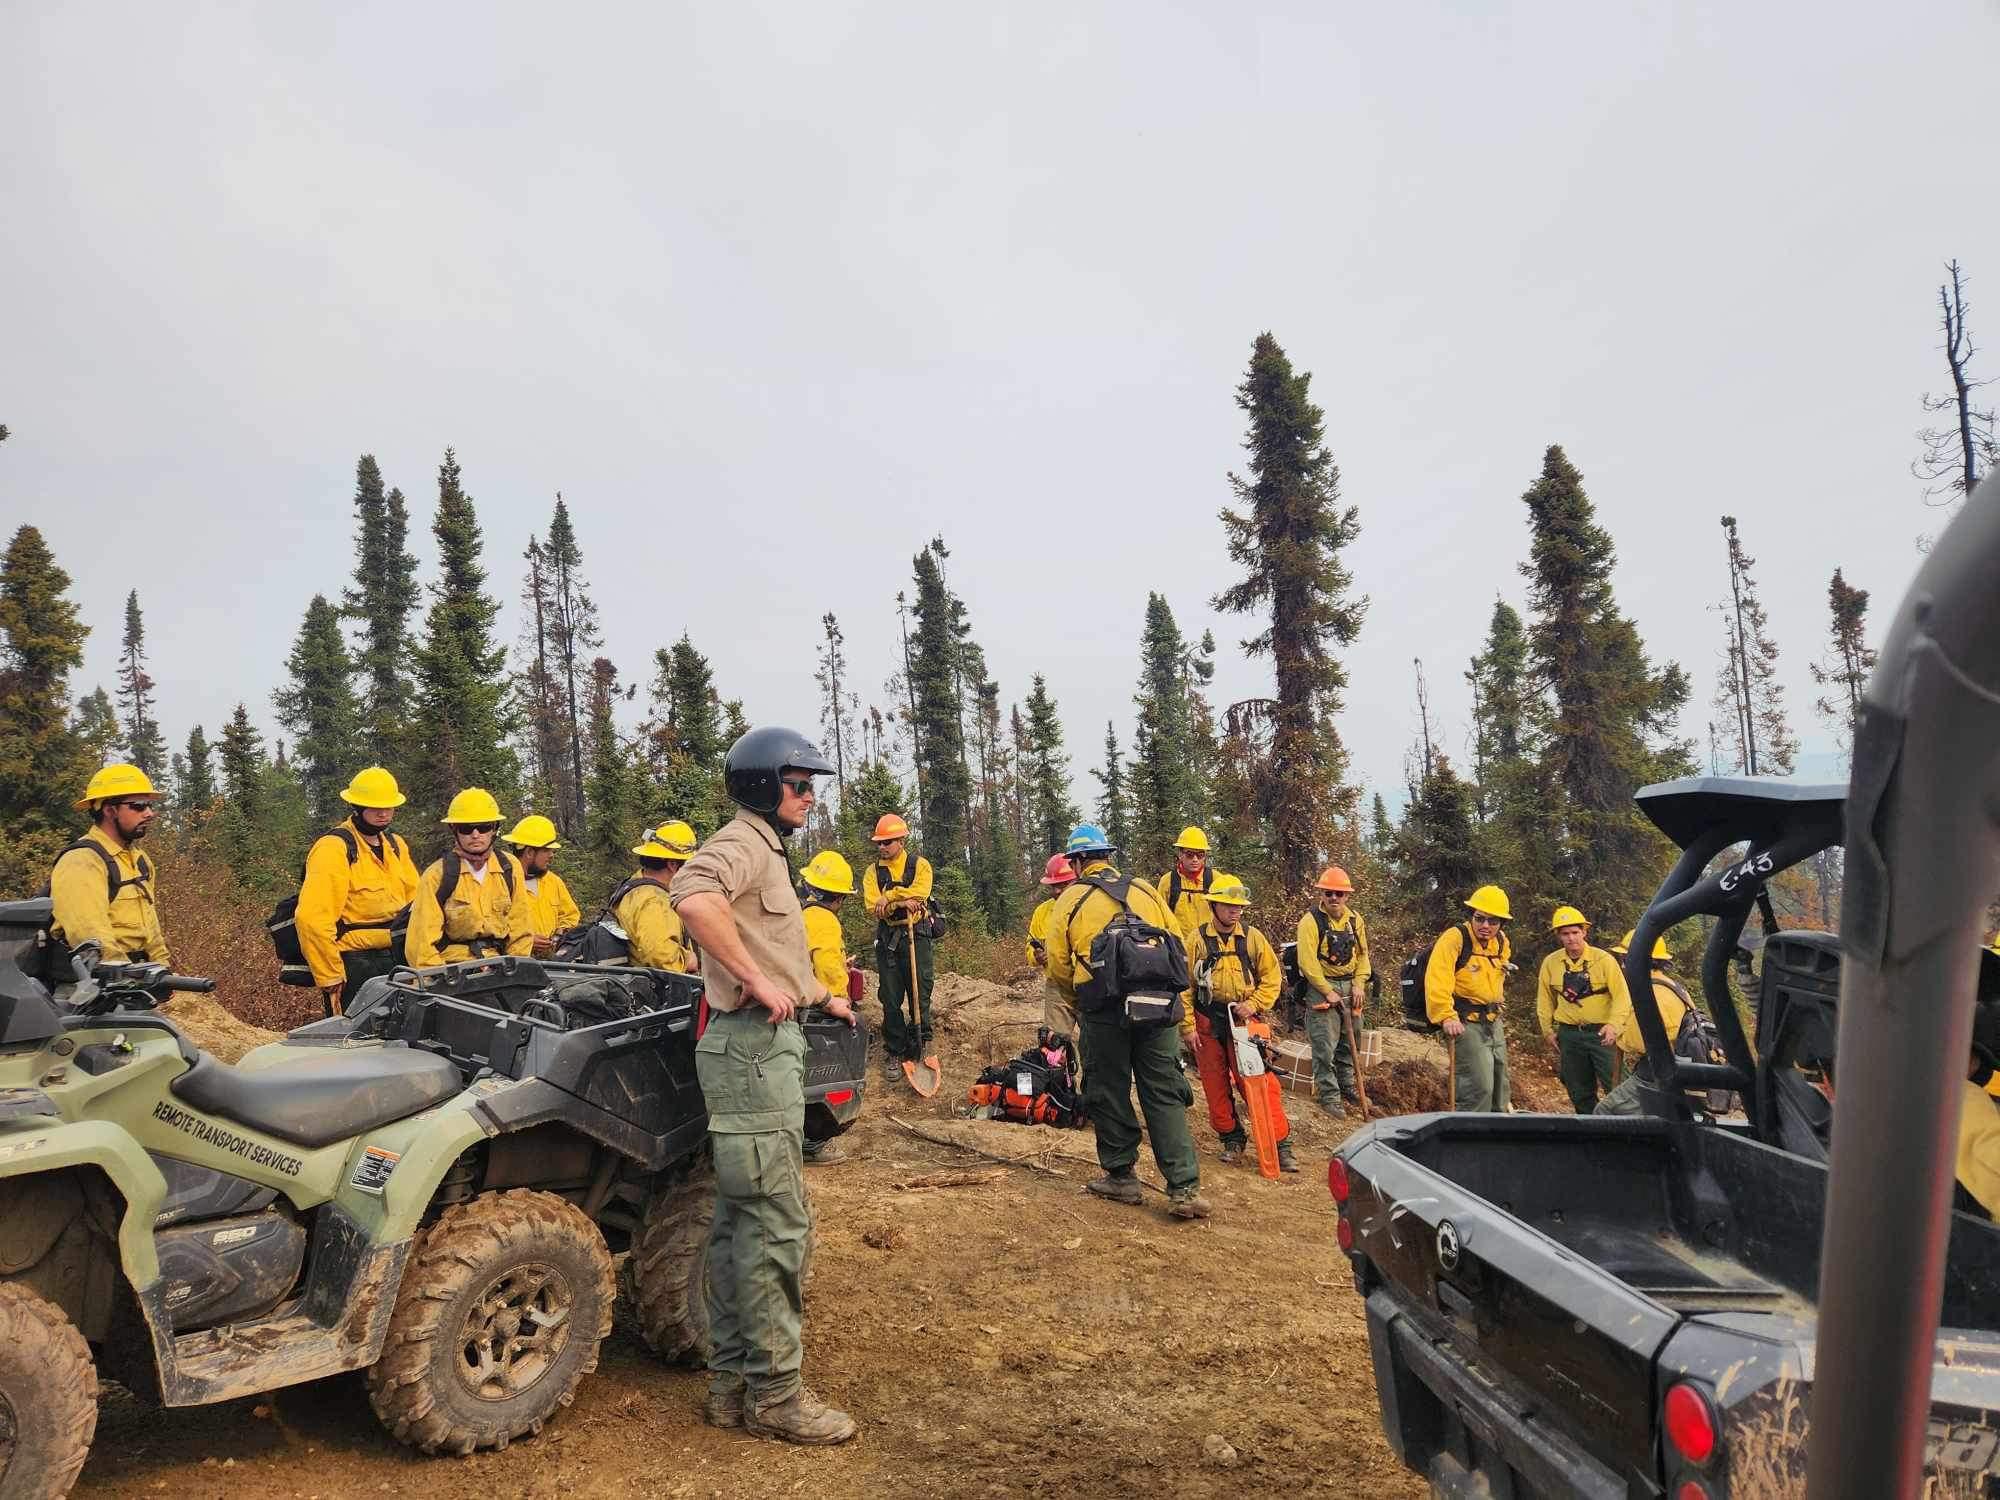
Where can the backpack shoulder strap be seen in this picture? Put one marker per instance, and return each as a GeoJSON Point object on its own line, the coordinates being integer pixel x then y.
{"type": "Point", "coordinates": [883, 880]}
{"type": "Point", "coordinates": [1243, 953]}
{"type": "Point", "coordinates": [508, 865]}
{"type": "Point", "coordinates": [1467, 948]}
{"type": "Point", "coordinates": [1322, 925]}
{"type": "Point", "coordinates": [448, 875]}
{"type": "Point", "coordinates": [346, 837]}
{"type": "Point", "coordinates": [1174, 891]}
{"type": "Point", "coordinates": [112, 881]}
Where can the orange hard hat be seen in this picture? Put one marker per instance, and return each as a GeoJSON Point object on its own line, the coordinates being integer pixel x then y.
{"type": "Point", "coordinates": [889, 826]}
{"type": "Point", "coordinates": [1058, 871]}
{"type": "Point", "coordinates": [1333, 878]}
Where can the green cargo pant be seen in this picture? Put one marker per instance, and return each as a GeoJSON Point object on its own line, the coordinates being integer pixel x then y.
{"type": "Point", "coordinates": [1482, 1066]}
{"type": "Point", "coordinates": [1623, 1100]}
{"type": "Point", "coordinates": [753, 1077]}
{"type": "Point", "coordinates": [892, 968]}
{"type": "Point", "coordinates": [1115, 1056]}
{"type": "Point", "coordinates": [1584, 1065]}
{"type": "Point", "coordinates": [1333, 1058]}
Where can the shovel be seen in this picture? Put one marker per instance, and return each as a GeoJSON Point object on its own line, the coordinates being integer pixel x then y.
{"type": "Point", "coordinates": [1354, 1049]}
{"type": "Point", "coordinates": [923, 1077]}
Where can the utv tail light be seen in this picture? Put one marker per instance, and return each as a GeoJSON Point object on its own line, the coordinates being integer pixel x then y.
{"type": "Point", "coordinates": [1690, 1424]}
{"type": "Point", "coordinates": [839, 1097]}
{"type": "Point", "coordinates": [1337, 1181]}
{"type": "Point", "coordinates": [1344, 1233]}
{"type": "Point", "coordinates": [1691, 1489]}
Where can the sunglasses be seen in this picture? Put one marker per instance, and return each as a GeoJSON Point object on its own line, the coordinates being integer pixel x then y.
{"type": "Point", "coordinates": [1478, 921]}
{"type": "Point", "coordinates": [799, 787]}
{"type": "Point", "coordinates": [475, 827]}
{"type": "Point", "coordinates": [137, 807]}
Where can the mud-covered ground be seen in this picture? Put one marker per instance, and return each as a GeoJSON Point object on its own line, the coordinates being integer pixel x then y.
{"type": "Point", "coordinates": [1008, 1335]}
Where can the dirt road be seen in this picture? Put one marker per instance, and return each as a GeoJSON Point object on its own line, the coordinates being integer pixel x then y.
{"type": "Point", "coordinates": [1007, 1336]}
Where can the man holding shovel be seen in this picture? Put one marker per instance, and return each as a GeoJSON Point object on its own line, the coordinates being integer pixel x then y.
{"type": "Point", "coordinates": [1464, 983]}
{"type": "Point", "coordinates": [1333, 960]}
{"type": "Point", "coordinates": [896, 889]}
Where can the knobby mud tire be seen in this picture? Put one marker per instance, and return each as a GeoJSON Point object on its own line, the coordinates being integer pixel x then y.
{"type": "Point", "coordinates": [665, 1278]}
{"type": "Point", "coordinates": [462, 1275]}
{"type": "Point", "coordinates": [48, 1397]}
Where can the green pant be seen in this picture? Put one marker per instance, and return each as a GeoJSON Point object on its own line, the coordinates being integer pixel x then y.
{"type": "Point", "coordinates": [1623, 1100]}
{"type": "Point", "coordinates": [892, 966]}
{"type": "Point", "coordinates": [361, 965]}
{"type": "Point", "coordinates": [1116, 1056]}
{"type": "Point", "coordinates": [1333, 1057]}
{"type": "Point", "coordinates": [1584, 1064]}
{"type": "Point", "coordinates": [1481, 1052]}
{"type": "Point", "coordinates": [753, 1077]}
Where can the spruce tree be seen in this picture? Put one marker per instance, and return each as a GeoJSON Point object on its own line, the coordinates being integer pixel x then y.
{"type": "Point", "coordinates": [934, 660]}
{"type": "Point", "coordinates": [1114, 809]}
{"type": "Point", "coordinates": [44, 761]}
{"type": "Point", "coordinates": [461, 685]}
{"type": "Point", "coordinates": [1849, 661]}
{"type": "Point", "coordinates": [242, 756]}
{"type": "Point", "coordinates": [97, 726]}
{"type": "Point", "coordinates": [1160, 777]}
{"type": "Point", "coordinates": [539, 710]}
{"type": "Point", "coordinates": [1602, 716]}
{"type": "Point", "coordinates": [1381, 832]}
{"type": "Point", "coordinates": [1288, 535]}
{"type": "Point", "coordinates": [575, 637]}
{"type": "Point", "coordinates": [317, 705]}
{"type": "Point", "coordinates": [613, 790]}
{"type": "Point", "coordinates": [1508, 801]}
{"type": "Point", "coordinates": [1436, 853]}
{"type": "Point", "coordinates": [996, 855]}
{"type": "Point", "coordinates": [145, 747]}
{"type": "Point", "coordinates": [1748, 693]}
{"type": "Point", "coordinates": [839, 708]}
{"type": "Point", "coordinates": [687, 722]}
{"type": "Point", "coordinates": [1051, 810]}
{"type": "Point", "coordinates": [382, 600]}
{"type": "Point", "coordinates": [194, 787]}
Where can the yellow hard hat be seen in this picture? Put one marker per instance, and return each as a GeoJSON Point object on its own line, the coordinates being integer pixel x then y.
{"type": "Point", "coordinates": [1624, 946]}
{"type": "Point", "coordinates": [373, 787]}
{"type": "Point", "coordinates": [674, 840]}
{"type": "Point", "coordinates": [1491, 900]}
{"type": "Point", "coordinates": [533, 832]}
{"type": "Point", "coordinates": [827, 871]}
{"type": "Point", "coordinates": [112, 782]}
{"type": "Point", "coordinates": [1566, 916]}
{"type": "Point", "coordinates": [1228, 890]}
{"type": "Point", "coordinates": [1192, 838]}
{"type": "Point", "coordinates": [473, 805]}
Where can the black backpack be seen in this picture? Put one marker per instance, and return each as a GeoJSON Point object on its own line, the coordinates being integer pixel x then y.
{"type": "Point", "coordinates": [601, 940]}
{"type": "Point", "coordinates": [283, 926]}
{"type": "Point", "coordinates": [1339, 945]}
{"type": "Point", "coordinates": [1416, 1006]}
{"type": "Point", "coordinates": [447, 883]}
{"type": "Point", "coordinates": [931, 923]}
{"type": "Point", "coordinates": [1135, 966]}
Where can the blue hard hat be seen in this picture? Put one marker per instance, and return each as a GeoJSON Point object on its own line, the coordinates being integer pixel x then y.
{"type": "Point", "coordinates": [1087, 838]}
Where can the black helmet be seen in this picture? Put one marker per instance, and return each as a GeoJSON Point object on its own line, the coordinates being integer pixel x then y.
{"type": "Point", "coordinates": [750, 770]}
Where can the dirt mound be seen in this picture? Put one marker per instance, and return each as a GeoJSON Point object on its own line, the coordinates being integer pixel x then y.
{"type": "Point", "coordinates": [1412, 1086]}
{"type": "Point", "coordinates": [214, 1029]}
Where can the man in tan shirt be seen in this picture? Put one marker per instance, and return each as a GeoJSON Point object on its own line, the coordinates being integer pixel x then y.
{"type": "Point", "coordinates": [737, 900]}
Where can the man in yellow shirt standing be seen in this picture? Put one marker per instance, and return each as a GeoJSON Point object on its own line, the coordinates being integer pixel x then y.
{"type": "Point", "coordinates": [1464, 983]}
{"type": "Point", "coordinates": [653, 928]}
{"type": "Point", "coordinates": [1334, 962]}
{"type": "Point", "coordinates": [896, 890]}
{"type": "Point", "coordinates": [1581, 1004]}
{"type": "Point", "coordinates": [825, 882]}
{"type": "Point", "coordinates": [551, 908]}
{"type": "Point", "coordinates": [1242, 976]}
{"type": "Point", "coordinates": [1185, 887]}
{"type": "Point", "coordinates": [1056, 874]}
{"type": "Point", "coordinates": [472, 903]}
{"type": "Point", "coordinates": [102, 887]}
{"type": "Point", "coordinates": [359, 878]}
{"type": "Point", "coordinates": [1674, 1004]}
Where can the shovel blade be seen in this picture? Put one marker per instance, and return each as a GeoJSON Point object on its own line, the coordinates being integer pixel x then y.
{"type": "Point", "coordinates": [923, 1077]}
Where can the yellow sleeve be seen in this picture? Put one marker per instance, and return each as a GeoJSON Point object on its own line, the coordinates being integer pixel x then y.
{"type": "Point", "coordinates": [1439, 976]}
{"type": "Point", "coordinates": [405, 866]}
{"type": "Point", "coordinates": [1197, 951]}
{"type": "Point", "coordinates": [1038, 931]}
{"type": "Point", "coordinates": [420, 947]}
{"type": "Point", "coordinates": [322, 898]}
{"type": "Point", "coordinates": [77, 888]}
{"type": "Point", "coordinates": [1621, 995]}
{"type": "Point", "coordinates": [520, 909]}
{"type": "Point", "coordinates": [1545, 999]}
{"type": "Point", "coordinates": [1061, 966]}
{"type": "Point", "coordinates": [823, 941]}
{"type": "Point", "coordinates": [562, 905]}
{"type": "Point", "coordinates": [871, 893]}
{"type": "Point", "coordinates": [1270, 973]}
{"type": "Point", "coordinates": [919, 888]}
{"type": "Point", "coordinates": [1363, 964]}
{"type": "Point", "coordinates": [1308, 950]}
{"type": "Point", "coordinates": [1979, 1146]}
{"type": "Point", "coordinates": [658, 939]}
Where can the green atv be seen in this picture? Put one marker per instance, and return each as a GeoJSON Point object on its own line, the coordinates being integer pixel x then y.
{"type": "Point", "coordinates": [430, 1189]}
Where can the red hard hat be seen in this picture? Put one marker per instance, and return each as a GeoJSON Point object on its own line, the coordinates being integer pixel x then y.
{"type": "Point", "coordinates": [1059, 871]}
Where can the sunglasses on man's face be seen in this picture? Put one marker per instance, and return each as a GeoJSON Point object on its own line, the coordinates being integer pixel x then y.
{"type": "Point", "coordinates": [1485, 921]}
{"type": "Point", "coordinates": [478, 827]}
{"type": "Point", "coordinates": [801, 787]}
{"type": "Point", "coordinates": [137, 807]}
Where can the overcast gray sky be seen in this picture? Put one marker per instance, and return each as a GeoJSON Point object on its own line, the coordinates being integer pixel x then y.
{"type": "Point", "coordinates": [773, 293]}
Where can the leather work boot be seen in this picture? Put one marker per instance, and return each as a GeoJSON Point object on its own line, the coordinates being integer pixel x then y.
{"type": "Point", "coordinates": [1232, 1150]}
{"type": "Point", "coordinates": [800, 1418]}
{"type": "Point", "coordinates": [1187, 1203]}
{"type": "Point", "coordinates": [820, 1153]}
{"type": "Point", "coordinates": [1286, 1161]}
{"type": "Point", "coordinates": [724, 1408]}
{"type": "Point", "coordinates": [1119, 1187]}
